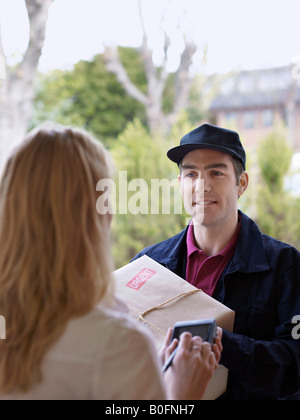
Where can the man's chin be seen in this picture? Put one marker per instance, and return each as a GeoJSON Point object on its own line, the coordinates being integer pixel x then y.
{"type": "Point", "coordinates": [198, 218]}
{"type": "Point", "coordinates": [202, 219]}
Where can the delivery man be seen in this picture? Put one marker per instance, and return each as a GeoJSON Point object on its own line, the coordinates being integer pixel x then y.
{"type": "Point", "coordinates": [224, 253]}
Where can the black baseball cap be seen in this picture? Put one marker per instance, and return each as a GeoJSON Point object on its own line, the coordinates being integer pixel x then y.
{"type": "Point", "coordinates": [209, 137]}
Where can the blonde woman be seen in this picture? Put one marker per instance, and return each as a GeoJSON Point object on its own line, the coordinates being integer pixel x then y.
{"type": "Point", "coordinates": [66, 338]}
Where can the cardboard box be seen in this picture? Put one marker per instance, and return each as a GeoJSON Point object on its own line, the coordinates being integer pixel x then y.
{"type": "Point", "coordinates": [159, 298]}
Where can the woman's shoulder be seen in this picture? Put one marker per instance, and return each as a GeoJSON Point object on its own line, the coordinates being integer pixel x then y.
{"type": "Point", "coordinates": [101, 329]}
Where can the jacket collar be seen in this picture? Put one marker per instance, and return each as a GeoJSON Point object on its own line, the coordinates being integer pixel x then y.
{"type": "Point", "coordinates": [249, 257]}
{"type": "Point", "coordinates": [177, 261]}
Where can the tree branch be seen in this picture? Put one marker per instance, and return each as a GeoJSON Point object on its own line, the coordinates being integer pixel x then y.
{"type": "Point", "coordinates": [147, 55]}
{"type": "Point", "coordinates": [163, 76]}
{"type": "Point", "coordinates": [1, 44]}
{"type": "Point", "coordinates": [115, 66]}
{"type": "Point", "coordinates": [16, 94]}
{"type": "Point", "coordinates": [37, 11]}
{"type": "Point", "coordinates": [156, 78]}
{"type": "Point", "coordinates": [2, 65]}
{"type": "Point", "coordinates": [183, 76]}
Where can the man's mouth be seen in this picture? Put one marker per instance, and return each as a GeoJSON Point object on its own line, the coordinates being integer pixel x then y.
{"type": "Point", "coordinates": [204, 203]}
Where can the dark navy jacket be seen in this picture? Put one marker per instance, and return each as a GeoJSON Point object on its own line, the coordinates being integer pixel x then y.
{"type": "Point", "coordinates": [262, 285]}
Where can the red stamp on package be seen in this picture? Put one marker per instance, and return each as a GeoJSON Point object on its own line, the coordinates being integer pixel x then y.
{"type": "Point", "coordinates": [140, 279]}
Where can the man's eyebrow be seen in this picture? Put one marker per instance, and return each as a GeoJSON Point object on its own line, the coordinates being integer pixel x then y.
{"type": "Point", "coordinates": [216, 166]}
{"type": "Point", "coordinates": [212, 166]}
{"type": "Point", "coordinates": [187, 167]}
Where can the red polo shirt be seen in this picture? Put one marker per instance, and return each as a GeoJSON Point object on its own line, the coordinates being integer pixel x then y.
{"type": "Point", "coordinates": [202, 271]}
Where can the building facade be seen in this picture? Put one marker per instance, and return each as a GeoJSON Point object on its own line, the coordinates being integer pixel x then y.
{"type": "Point", "coordinates": [256, 102]}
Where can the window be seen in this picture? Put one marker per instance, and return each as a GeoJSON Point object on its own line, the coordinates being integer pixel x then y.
{"type": "Point", "coordinates": [268, 118]}
{"type": "Point", "coordinates": [231, 118]}
{"type": "Point", "coordinates": [249, 120]}
{"type": "Point", "coordinates": [228, 86]}
{"type": "Point", "coordinates": [246, 83]}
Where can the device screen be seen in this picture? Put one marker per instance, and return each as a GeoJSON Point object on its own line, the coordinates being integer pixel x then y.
{"type": "Point", "coordinates": [202, 331]}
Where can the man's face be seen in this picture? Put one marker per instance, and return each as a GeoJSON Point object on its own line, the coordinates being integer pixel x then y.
{"type": "Point", "coordinates": [209, 186]}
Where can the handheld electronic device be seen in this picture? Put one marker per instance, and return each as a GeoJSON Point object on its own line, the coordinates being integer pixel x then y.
{"type": "Point", "coordinates": [204, 328]}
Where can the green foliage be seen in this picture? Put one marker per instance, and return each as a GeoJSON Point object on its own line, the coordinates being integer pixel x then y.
{"type": "Point", "coordinates": [134, 66]}
{"type": "Point", "coordinates": [277, 210]}
{"type": "Point", "coordinates": [275, 156]}
{"type": "Point", "coordinates": [181, 128]}
{"type": "Point", "coordinates": [199, 101]}
{"type": "Point", "coordinates": [143, 157]}
{"type": "Point", "coordinates": [90, 97]}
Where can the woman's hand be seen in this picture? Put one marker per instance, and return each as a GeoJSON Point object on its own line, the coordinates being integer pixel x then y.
{"type": "Point", "coordinates": [193, 366]}
{"type": "Point", "coordinates": [167, 346]}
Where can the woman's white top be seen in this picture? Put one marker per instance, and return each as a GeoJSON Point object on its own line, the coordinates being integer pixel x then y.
{"type": "Point", "coordinates": [101, 356]}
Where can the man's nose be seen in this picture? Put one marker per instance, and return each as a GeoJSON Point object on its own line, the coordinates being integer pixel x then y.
{"type": "Point", "coordinates": [206, 185]}
{"type": "Point", "coordinates": [200, 186]}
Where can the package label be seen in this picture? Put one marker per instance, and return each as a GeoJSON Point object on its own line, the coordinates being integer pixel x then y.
{"type": "Point", "coordinates": [140, 279]}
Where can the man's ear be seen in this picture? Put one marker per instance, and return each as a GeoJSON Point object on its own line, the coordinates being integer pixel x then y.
{"type": "Point", "coordinates": [243, 185]}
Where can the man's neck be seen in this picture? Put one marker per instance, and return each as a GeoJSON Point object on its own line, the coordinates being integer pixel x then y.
{"type": "Point", "coordinates": [212, 239]}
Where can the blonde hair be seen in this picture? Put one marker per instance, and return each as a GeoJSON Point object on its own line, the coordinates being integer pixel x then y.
{"type": "Point", "coordinates": [55, 261]}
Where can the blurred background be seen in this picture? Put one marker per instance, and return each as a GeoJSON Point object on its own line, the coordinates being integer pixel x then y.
{"type": "Point", "coordinates": [139, 74]}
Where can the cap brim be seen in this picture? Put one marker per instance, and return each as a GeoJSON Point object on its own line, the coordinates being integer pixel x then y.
{"type": "Point", "coordinates": [178, 153]}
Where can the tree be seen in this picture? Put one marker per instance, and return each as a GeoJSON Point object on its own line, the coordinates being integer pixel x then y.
{"type": "Point", "coordinates": [151, 209]}
{"type": "Point", "coordinates": [277, 210]}
{"type": "Point", "coordinates": [17, 90]}
{"type": "Point", "coordinates": [157, 78]}
{"type": "Point", "coordinates": [90, 97]}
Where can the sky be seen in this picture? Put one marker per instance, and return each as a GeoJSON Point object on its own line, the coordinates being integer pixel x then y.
{"type": "Point", "coordinates": [240, 34]}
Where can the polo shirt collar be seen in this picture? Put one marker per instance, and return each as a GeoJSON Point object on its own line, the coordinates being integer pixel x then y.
{"type": "Point", "coordinates": [226, 253]}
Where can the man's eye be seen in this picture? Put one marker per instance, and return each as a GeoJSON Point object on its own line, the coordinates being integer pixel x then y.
{"type": "Point", "coordinates": [216, 173]}
{"type": "Point", "coordinates": [190, 174]}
